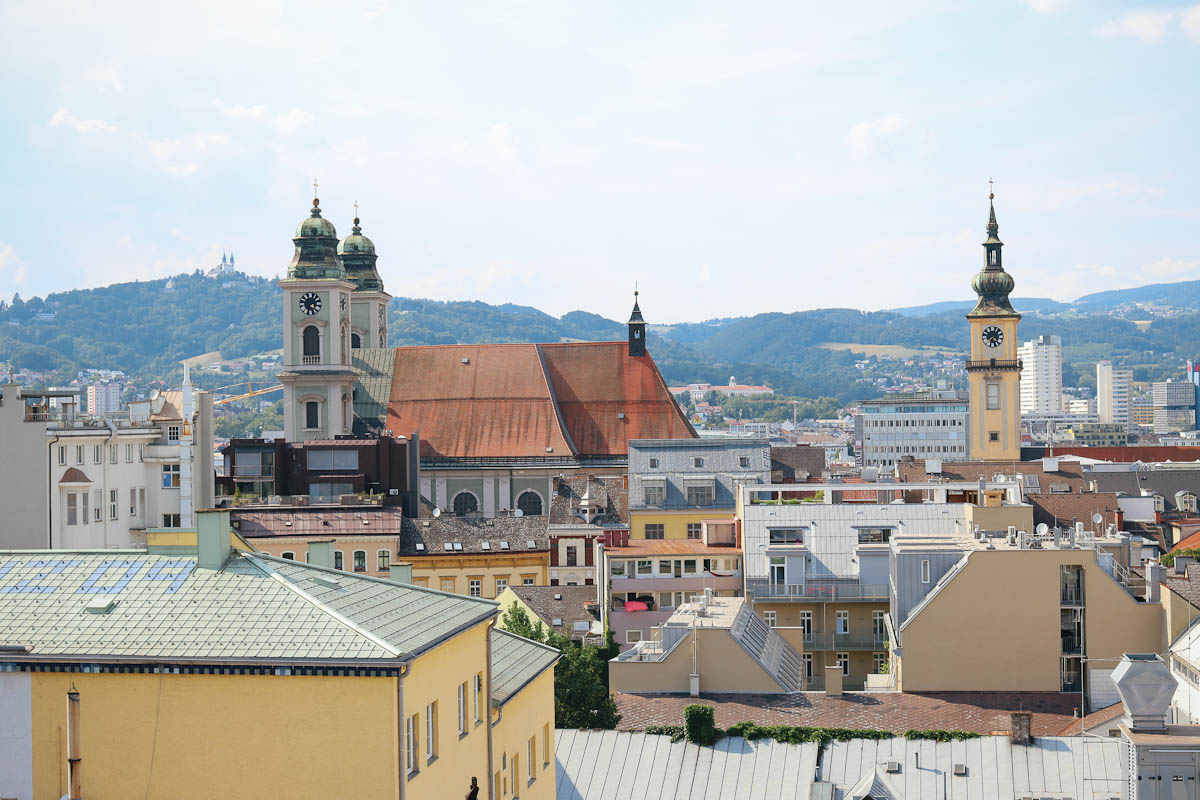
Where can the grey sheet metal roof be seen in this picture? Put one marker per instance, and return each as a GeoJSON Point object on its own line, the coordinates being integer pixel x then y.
{"type": "Point", "coordinates": [373, 367]}
{"type": "Point", "coordinates": [597, 765]}
{"type": "Point", "coordinates": [256, 608]}
{"type": "Point", "coordinates": [515, 662]}
{"type": "Point", "coordinates": [996, 769]}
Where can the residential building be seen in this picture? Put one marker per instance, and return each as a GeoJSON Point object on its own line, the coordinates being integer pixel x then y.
{"type": "Point", "coordinates": [1141, 412]}
{"type": "Point", "coordinates": [930, 424]}
{"type": "Point", "coordinates": [1114, 388]}
{"type": "Point", "coordinates": [257, 646]}
{"type": "Point", "coordinates": [797, 463]}
{"type": "Point", "coordinates": [1041, 375]}
{"type": "Point", "coordinates": [571, 611]}
{"type": "Point", "coordinates": [1080, 406]}
{"type": "Point", "coordinates": [698, 391]}
{"type": "Point", "coordinates": [103, 398]}
{"type": "Point", "coordinates": [70, 480]}
{"type": "Point", "coordinates": [1099, 434]}
{"type": "Point", "coordinates": [583, 509]}
{"type": "Point", "coordinates": [1174, 406]}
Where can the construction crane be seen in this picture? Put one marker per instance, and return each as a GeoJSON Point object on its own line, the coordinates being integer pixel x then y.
{"type": "Point", "coordinates": [250, 392]}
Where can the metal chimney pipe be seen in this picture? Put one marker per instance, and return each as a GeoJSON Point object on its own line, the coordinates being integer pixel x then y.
{"type": "Point", "coordinates": [74, 788]}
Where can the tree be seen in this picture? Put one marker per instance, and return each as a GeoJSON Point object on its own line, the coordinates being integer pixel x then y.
{"type": "Point", "coordinates": [581, 696]}
{"type": "Point", "coordinates": [515, 620]}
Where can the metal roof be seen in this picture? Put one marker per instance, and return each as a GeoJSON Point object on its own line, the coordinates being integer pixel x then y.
{"type": "Point", "coordinates": [256, 608]}
{"type": "Point", "coordinates": [597, 765]}
{"type": "Point", "coordinates": [515, 662]}
{"type": "Point", "coordinates": [372, 387]}
{"type": "Point", "coordinates": [995, 768]}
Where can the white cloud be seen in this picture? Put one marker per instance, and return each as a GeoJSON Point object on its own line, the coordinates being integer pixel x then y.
{"type": "Point", "coordinates": [500, 137]}
{"type": "Point", "coordinates": [1173, 268]}
{"type": "Point", "coordinates": [12, 268]}
{"type": "Point", "coordinates": [179, 156]}
{"type": "Point", "coordinates": [865, 137]}
{"type": "Point", "coordinates": [105, 76]}
{"type": "Point", "coordinates": [1147, 27]}
{"type": "Point", "coordinates": [286, 122]}
{"type": "Point", "coordinates": [65, 119]}
{"type": "Point", "coordinates": [1047, 6]}
{"type": "Point", "coordinates": [1189, 23]}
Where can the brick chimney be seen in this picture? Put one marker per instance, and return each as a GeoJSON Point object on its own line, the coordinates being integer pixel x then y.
{"type": "Point", "coordinates": [1022, 727]}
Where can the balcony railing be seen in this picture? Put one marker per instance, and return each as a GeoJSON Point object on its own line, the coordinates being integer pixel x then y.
{"type": "Point", "coordinates": [253, 471]}
{"type": "Point", "coordinates": [994, 363]}
{"type": "Point", "coordinates": [845, 641]}
{"type": "Point", "coordinates": [815, 591]}
{"type": "Point", "coordinates": [310, 360]}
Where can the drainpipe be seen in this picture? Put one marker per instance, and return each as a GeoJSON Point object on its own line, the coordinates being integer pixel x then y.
{"type": "Point", "coordinates": [74, 790]}
{"type": "Point", "coordinates": [400, 737]}
{"type": "Point", "coordinates": [112, 438]}
{"type": "Point", "coordinates": [487, 703]}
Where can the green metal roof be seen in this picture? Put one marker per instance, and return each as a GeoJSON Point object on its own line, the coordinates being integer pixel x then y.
{"type": "Point", "coordinates": [256, 608]}
{"type": "Point", "coordinates": [515, 662]}
{"type": "Point", "coordinates": [373, 367]}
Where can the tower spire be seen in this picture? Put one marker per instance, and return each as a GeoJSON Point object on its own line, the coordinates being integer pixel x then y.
{"type": "Point", "coordinates": [637, 328]}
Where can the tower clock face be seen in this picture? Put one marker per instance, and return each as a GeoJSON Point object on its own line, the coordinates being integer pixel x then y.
{"type": "Point", "coordinates": [992, 336]}
{"type": "Point", "coordinates": [310, 303]}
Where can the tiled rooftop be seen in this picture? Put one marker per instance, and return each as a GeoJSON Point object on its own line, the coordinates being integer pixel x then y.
{"type": "Point", "coordinates": [564, 603]}
{"type": "Point", "coordinates": [515, 662]}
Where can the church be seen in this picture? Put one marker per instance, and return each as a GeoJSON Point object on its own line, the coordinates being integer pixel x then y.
{"type": "Point", "coordinates": [498, 424]}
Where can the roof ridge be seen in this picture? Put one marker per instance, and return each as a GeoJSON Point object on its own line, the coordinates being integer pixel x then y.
{"type": "Point", "coordinates": [526, 640]}
{"type": "Point", "coordinates": [346, 621]}
{"type": "Point", "coordinates": [558, 415]}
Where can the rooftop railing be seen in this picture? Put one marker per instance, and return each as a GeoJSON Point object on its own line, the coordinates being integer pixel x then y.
{"type": "Point", "coordinates": [815, 591]}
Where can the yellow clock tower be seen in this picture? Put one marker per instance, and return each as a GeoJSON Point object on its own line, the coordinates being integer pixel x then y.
{"type": "Point", "coordinates": [993, 370]}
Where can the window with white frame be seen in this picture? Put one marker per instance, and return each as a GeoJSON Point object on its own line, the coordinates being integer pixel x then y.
{"type": "Point", "coordinates": [878, 626]}
{"type": "Point", "coordinates": [172, 433]}
{"type": "Point", "coordinates": [96, 454]}
{"type": "Point", "coordinates": [288, 554]}
{"type": "Point", "coordinates": [171, 521]}
{"type": "Point", "coordinates": [62, 456]}
{"type": "Point", "coordinates": [769, 616]}
{"type": "Point", "coordinates": [411, 728]}
{"type": "Point", "coordinates": [112, 453]}
{"type": "Point", "coordinates": [993, 396]}
{"type": "Point", "coordinates": [113, 503]}
{"type": "Point", "coordinates": [879, 663]}
{"type": "Point", "coordinates": [924, 570]}
{"type": "Point", "coordinates": [530, 752]}
{"type": "Point", "coordinates": [807, 660]}
{"type": "Point", "coordinates": [73, 508]}
{"type": "Point", "coordinates": [383, 560]}
{"type": "Point", "coordinates": [645, 567]}
{"type": "Point", "coordinates": [700, 494]}
{"type": "Point", "coordinates": [170, 476]}
{"type": "Point", "coordinates": [806, 625]}
{"type": "Point", "coordinates": [633, 636]}
{"type": "Point", "coordinates": [338, 559]}
{"type": "Point", "coordinates": [843, 661]}
{"type": "Point", "coordinates": [695, 530]}
{"type": "Point", "coordinates": [843, 622]}
{"type": "Point", "coordinates": [431, 731]}
{"type": "Point", "coordinates": [128, 454]}
{"type": "Point", "coordinates": [655, 530]}
{"type": "Point", "coordinates": [360, 560]}
{"type": "Point", "coordinates": [501, 585]}
{"type": "Point", "coordinates": [654, 494]}
{"type": "Point", "coordinates": [478, 689]}
{"type": "Point", "coordinates": [78, 454]}
{"type": "Point", "coordinates": [785, 535]}
{"type": "Point", "coordinates": [475, 587]}
{"type": "Point", "coordinates": [133, 511]}
{"type": "Point", "coordinates": [462, 708]}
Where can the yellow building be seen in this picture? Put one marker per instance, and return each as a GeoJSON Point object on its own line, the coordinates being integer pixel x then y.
{"type": "Point", "coordinates": [204, 670]}
{"type": "Point", "coordinates": [993, 370]}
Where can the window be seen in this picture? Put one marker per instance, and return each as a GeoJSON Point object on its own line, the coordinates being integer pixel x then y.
{"type": "Point", "coordinates": [700, 495]}
{"type": "Point", "coordinates": [462, 709]}
{"type": "Point", "coordinates": [874, 535]}
{"type": "Point", "coordinates": [776, 569]}
{"type": "Point", "coordinates": [879, 663]}
{"type": "Point", "coordinates": [383, 560]}
{"type": "Point", "coordinates": [133, 502]}
{"type": "Point", "coordinates": [530, 753]}
{"type": "Point", "coordinates": [288, 554]}
{"type": "Point", "coordinates": [769, 616]}
{"type": "Point", "coordinates": [515, 762]}
{"type": "Point", "coordinates": [73, 508]}
{"type": "Point", "coordinates": [360, 560]}
{"type": "Point", "coordinates": [171, 521]}
{"type": "Point", "coordinates": [465, 503]}
{"type": "Point", "coordinates": [843, 661]}
{"type": "Point", "coordinates": [338, 559]}
{"type": "Point", "coordinates": [785, 535]}
{"type": "Point", "coordinates": [546, 745]}
{"type": "Point", "coordinates": [689, 566]}
{"type": "Point", "coordinates": [878, 626]}
{"type": "Point", "coordinates": [843, 622]}
{"type": "Point", "coordinates": [62, 456]}
{"type": "Point", "coordinates": [654, 463]}
{"type": "Point", "coordinates": [312, 344]}
{"type": "Point", "coordinates": [112, 503]}
{"type": "Point", "coordinates": [808, 664]}
{"type": "Point", "coordinates": [698, 461]}
{"type": "Point", "coordinates": [355, 341]}
{"type": "Point", "coordinates": [501, 585]}
{"type": "Point", "coordinates": [95, 454]}
{"type": "Point", "coordinates": [993, 436]}
{"type": "Point", "coordinates": [654, 495]}
{"type": "Point", "coordinates": [411, 727]}
{"type": "Point", "coordinates": [529, 504]}
{"type": "Point", "coordinates": [694, 530]}
{"type": "Point", "coordinates": [925, 570]}
{"type": "Point", "coordinates": [170, 476]}
{"type": "Point", "coordinates": [633, 637]}
{"type": "Point", "coordinates": [993, 396]}
{"type": "Point", "coordinates": [312, 415]}
{"type": "Point", "coordinates": [128, 454]}
{"type": "Point", "coordinates": [97, 506]}
{"type": "Point", "coordinates": [645, 567]}
{"type": "Point", "coordinates": [478, 695]}
{"type": "Point", "coordinates": [527, 581]}
{"type": "Point", "coordinates": [806, 626]}
{"type": "Point", "coordinates": [431, 731]}
{"type": "Point", "coordinates": [172, 433]}
{"type": "Point", "coordinates": [475, 587]}
{"type": "Point", "coordinates": [112, 453]}
{"type": "Point", "coordinates": [617, 569]}
{"type": "Point", "coordinates": [78, 454]}
{"type": "Point", "coordinates": [654, 530]}
{"type": "Point", "coordinates": [340, 459]}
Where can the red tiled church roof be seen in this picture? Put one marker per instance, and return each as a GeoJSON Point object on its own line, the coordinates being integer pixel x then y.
{"type": "Point", "coordinates": [529, 400]}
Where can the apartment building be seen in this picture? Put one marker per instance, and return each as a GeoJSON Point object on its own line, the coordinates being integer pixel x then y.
{"type": "Point", "coordinates": [1041, 375]}
{"type": "Point", "coordinates": [931, 424]}
{"type": "Point", "coordinates": [398, 676]}
{"type": "Point", "coordinates": [80, 481]}
{"type": "Point", "coordinates": [1099, 434]}
{"type": "Point", "coordinates": [1114, 393]}
{"type": "Point", "coordinates": [583, 509]}
{"type": "Point", "coordinates": [1174, 406]}
{"type": "Point", "coordinates": [103, 398]}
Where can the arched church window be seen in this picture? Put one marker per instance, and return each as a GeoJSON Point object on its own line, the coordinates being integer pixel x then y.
{"type": "Point", "coordinates": [992, 257]}
{"type": "Point", "coordinates": [312, 341]}
{"type": "Point", "coordinates": [465, 503]}
{"type": "Point", "coordinates": [312, 414]}
{"type": "Point", "coordinates": [530, 504]}
{"type": "Point", "coordinates": [355, 341]}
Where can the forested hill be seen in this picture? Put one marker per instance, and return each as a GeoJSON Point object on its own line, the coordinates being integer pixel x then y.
{"type": "Point", "coordinates": [145, 329]}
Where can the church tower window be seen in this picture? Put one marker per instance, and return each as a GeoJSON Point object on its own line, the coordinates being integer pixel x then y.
{"type": "Point", "coordinates": [312, 344]}
{"type": "Point", "coordinates": [312, 415]}
{"type": "Point", "coordinates": [355, 341]}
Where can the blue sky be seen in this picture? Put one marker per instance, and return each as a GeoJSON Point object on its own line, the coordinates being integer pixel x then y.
{"type": "Point", "coordinates": [730, 158]}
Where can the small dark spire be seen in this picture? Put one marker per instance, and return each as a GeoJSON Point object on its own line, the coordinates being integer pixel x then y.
{"type": "Point", "coordinates": [636, 316]}
{"type": "Point", "coordinates": [637, 329]}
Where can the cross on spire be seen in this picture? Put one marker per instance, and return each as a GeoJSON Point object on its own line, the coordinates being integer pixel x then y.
{"type": "Point", "coordinates": [991, 194]}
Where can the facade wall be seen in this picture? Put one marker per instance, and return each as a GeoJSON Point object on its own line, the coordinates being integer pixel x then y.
{"type": "Point", "coordinates": [495, 490]}
{"type": "Point", "coordinates": [1041, 375]}
{"type": "Point", "coordinates": [527, 715]}
{"type": "Point", "coordinates": [922, 427]}
{"type": "Point", "coordinates": [674, 522]}
{"type": "Point", "coordinates": [16, 742]}
{"type": "Point", "coordinates": [722, 663]}
{"type": "Point", "coordinates": [1178, 614]}
{"type": "Point", "coordinates": [24, 474]}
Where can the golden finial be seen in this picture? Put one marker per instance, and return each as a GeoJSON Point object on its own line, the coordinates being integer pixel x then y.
{"type": "Point", "coordinates": [315, 201]}
{"type": "Point", "coordinates": [991, 194]}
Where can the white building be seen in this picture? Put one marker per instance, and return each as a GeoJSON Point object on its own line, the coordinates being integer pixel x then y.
{"type": "Point", "coordinates": [73, 481]}
{"type": "Point", "coordinates": [1041, 375]}
{"type": "Point", "coordinates": [929, 424]}
{"type": "Point", "coordinates": [1114, 388]}
{"type": "Point", "coordinates": [103, 398]}
{"type": "Point", "coordinates": [697, 391]}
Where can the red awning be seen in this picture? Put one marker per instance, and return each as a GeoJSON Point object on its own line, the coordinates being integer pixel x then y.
{"type": "Point", "coordinates": [636, 605]}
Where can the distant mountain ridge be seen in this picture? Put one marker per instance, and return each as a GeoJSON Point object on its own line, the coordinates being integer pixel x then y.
{"type": "Point", "coordinates": [1181, 294]}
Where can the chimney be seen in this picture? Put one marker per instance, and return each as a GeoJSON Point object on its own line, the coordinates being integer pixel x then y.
{"type": "Point", "coordinates": [320, 553]}
{"type": "Point", "coordinates": [1146, 687]}
{"type": "Point", "coordinates": [1022, 727]}
{"type": "Point", "coordinates": [74, 760]}
{"type": "Point", "coordinates": [1154, 574]}
{"type": "Point", "coordinates": [212, 539]}
{"type": "Point", "coordinates": [401, 573]}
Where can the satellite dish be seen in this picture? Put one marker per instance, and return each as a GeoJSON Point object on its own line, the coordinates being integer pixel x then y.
{"type": "Point", "coordinates": [1097, 518]}
{"type": "Point", "coordinates": [437, 512]}
{"type": "Point", "coordinates": [518, 513]}
{"type": "Point", "coordinates": [1042, 529]}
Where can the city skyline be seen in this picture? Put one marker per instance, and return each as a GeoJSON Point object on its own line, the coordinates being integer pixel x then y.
{"type": "Point", "coordinates": [498, 157]}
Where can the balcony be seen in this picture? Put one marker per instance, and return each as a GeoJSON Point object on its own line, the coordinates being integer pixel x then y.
{"type": "Point", "coordinates": [759, 589]}
{"type": "Point", "coordinates": [309, 360]}
{"type": "Point", "coordinates": [844, 641]}
{"type": "Point", "coordinates": [998, 364]}
{"type": "Point", "coordinates": [254, 471]}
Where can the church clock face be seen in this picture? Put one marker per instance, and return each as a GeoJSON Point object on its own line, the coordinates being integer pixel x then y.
{"type": "Point", "coordinates": [310, 303]}
{"type": "Point", "coordinates": [992, 336]}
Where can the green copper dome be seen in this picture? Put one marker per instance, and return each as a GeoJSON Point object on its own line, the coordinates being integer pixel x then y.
{"type": "Point", "coordinates": [992, 284]}
{"type": "Point", "coordinates": [316, 249]}
{"type": "Point", "coordinates": [355, 242]}
{"type": "Point", "coordinates": [357, 253]}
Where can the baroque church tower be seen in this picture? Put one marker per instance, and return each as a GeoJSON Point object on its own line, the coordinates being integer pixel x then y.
{"type": "Point", "coordinates": [318, 382]}
{"type": "Point", "coordinates": [993, 370]}
{"type": "Point", "coordinates": [368, 301]}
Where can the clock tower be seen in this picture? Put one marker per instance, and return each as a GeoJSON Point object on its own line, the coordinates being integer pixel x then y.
{"type": "Point", "coordinates": [368, 301]}
{"type": "Point", "coordinates": [993, 370]}
{"type": "Point", "coordinates": [318, 382]}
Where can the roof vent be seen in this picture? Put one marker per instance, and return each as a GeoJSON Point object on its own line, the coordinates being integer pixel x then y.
{"type": "Point", "coordinates": [100, 605]}
{"type": "Point", "coordinates": [485, 545]}
{"type": "Point", "coordinates": [420, 545]}
{"type": "Point", "coordinates": [466, 361]}
{"type": "Point", "coordinates": [530, 543]}
{"type": "Point", "coordinates": [328, 581]}
{"type": "Point", "coordinates": [558, 597]}
{"type": "Point", "coordinates": [960, 770]}
{"type": "Point", "coordinates": [504, 545]}
{"type": "Point", "coordinates": [620, 415]}
{"type": "Point", "coordinates": [893, 767]}
{"type": "Point", "coordinates": [1146, 687]}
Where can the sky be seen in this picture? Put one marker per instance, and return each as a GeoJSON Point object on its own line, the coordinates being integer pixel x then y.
{"type": "Point", "coordinates": [728, 158]}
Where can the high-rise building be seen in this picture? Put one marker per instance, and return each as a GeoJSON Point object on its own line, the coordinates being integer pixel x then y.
{"type": "Point", "coordinates": [1041, 375]}
{"type": "Point", "coordinates": [1113, 393]}
{"type": "Point", "coordinates": [1174, 406]}
{"type": "Point", "coordinates": [993, 369]}
{"type": "Point", "coordinates": [930, 424]}
{"type": "Point", "coordinates": [104, 398]}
